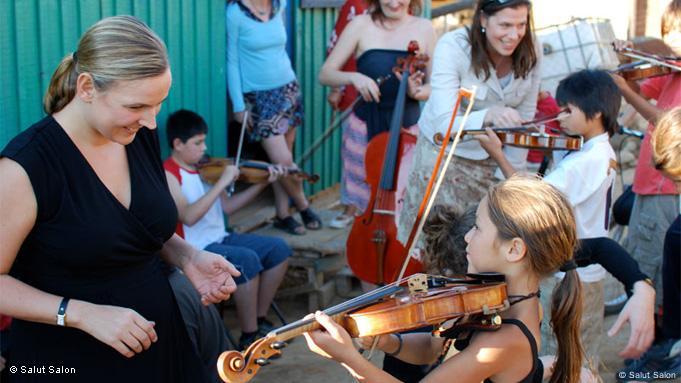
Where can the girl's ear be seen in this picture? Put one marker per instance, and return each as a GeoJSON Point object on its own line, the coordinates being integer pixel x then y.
{"type": "Point", "coordinates": [516, 250]}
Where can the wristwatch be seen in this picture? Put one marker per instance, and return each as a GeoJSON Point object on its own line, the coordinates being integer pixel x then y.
{"type": "Point", "coordinates": [61, 313]}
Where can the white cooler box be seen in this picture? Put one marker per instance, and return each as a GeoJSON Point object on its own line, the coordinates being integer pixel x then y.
{"type": "Point", "coordinates": [577, 44]}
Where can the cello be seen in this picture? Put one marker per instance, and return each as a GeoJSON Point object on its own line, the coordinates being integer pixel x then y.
{"type": "Point", "coordinates": [374, 254]}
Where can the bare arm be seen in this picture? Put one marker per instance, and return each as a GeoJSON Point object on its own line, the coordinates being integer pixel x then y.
{"type": "Point", "coordinates": [331, 73]}
{"type": "Point", "coordinates": [241, 199]}
{"type": "Point", "coordinates": [191, 213]}
{"type": "Point", "coordinates": [121, 328]}
{"type": "Point", "coordinates": [418, 348]}
{"type": "Point", "coordinates": [492, 145]}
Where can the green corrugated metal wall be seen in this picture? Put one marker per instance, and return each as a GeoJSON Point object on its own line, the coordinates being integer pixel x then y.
{"type": "Point", "coordinates": [311, 31]}
{"type": "Point", "coordinates": [36, 34]}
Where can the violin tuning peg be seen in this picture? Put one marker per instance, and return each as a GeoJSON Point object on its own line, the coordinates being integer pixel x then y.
{"type": "Point", "coordinates": [262, 362]}
{"type": "Point", "coordinates": [279, 345]}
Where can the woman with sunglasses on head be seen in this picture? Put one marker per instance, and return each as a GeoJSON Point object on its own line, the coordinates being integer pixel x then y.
{"type": "Point", "coordinates": [498, 55]}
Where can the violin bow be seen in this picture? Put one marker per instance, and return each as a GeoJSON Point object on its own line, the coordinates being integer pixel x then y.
{"type": "Point", "coordinates": [431, 193]}
{"type": "Point", "coordinates": [230, 191]}
{"type": "Point", "coordinates": [336, 121]}
{"type": "Point", "coordinates": [653, 59]}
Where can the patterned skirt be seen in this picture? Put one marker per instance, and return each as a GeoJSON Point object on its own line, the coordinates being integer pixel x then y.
{"type": "Point", "coordinates": [464, 185]}
{"type": "Point", "coordinates": [355, 190]}
{"type": "Point", "coordinates": [274, 111]}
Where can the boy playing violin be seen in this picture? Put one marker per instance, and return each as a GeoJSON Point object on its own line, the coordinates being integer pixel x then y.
{"type": "Point", "coordinates": [586, 177]}
{"type": "Point", "coordinates": [261, 260]}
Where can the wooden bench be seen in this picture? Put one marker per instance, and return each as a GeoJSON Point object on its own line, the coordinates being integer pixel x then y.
{"type": "Point", "coordinates": [320, 253]}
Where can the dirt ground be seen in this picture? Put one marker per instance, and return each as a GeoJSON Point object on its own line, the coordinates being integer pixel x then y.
{"type": "Point", "coordinates": [298, 364]}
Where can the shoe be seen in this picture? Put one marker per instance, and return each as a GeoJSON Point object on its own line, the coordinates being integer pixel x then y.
{"type": "Point", "coordinates": [289, 225]}
{"type": "Point", "coordinates": [311, 219]}
{"type": "Point", "coordinates": [245, 341]}
{"type": "Point", "coordinates": [615, 305]}
{"type": "Point", "coordinates": [341, 221]}
{"type": "Point", "coordinates": [264, 326]}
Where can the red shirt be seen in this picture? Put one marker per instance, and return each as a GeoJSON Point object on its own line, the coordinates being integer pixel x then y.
{"type": "Point", "coordinates": [546, 106]}
{"type": "Point", "coordinates": [348, 11]}
{"type": "Point", "coordinates": [647, 180]}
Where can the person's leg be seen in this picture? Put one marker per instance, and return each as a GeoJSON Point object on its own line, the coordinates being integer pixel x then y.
{"type": "Point", "coordinates": [671, 270]}
{"type": "Point", "coordinates": [246, 294]}
{"type": "Point", "coordinates": [279, 152]}
{"type": "Point", "coordinates": [273, 254]}
{"type": "Point", "coordinates": [204, 325]}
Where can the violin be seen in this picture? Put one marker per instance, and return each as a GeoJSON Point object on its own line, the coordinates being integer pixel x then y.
{"type": "Point", "coordinates": [254, 172]}
{"type": "Point", "coordinates": [640, 70]}
{"type": "Point", "coordinates": [529, 136]}
{"type": "Point", "coordinates": [649, 65]}
{"type": "Point", "coordinates": [523, 138]}
{"type": "Point", "coordinates": [374, 254]}
{"type": "Point", "coordinates": [417, 301]}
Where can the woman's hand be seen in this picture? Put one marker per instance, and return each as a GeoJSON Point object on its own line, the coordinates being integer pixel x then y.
{"type": "Point", "coordinates": [121, 328]}
{"type": "Point", "coordinates": [212, 276]}
{"type": "Point", "coordinates": [334, 98]}
{"type": "Point", "coordinates": [334, 343]}
{"type": "Point", "coordinates": [502, 117]}
{"type": "Point", "coordinates": [640, 312]}
{"type": "Point", "coordinates": [415, 85]}
{"type": "Point", "coordinates": [367, 87]}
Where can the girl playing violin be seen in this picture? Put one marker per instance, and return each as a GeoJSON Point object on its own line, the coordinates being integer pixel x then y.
{"type": "Point", "coordinates": [525, 229]}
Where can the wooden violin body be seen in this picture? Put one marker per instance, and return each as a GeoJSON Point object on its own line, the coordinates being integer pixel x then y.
{"type": "Point", "coordinates": [529, 140]}
{"type": "Point", "coordinates": [250, 171]}
{"type": "Point", "coordinates": [389, 309]}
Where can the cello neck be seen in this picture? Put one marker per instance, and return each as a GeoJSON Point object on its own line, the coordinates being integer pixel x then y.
{"type": "Point", "coordinates": [390, 164]}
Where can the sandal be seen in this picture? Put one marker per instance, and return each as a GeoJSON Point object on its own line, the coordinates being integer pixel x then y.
{"type": "Point", "coordinates": [341, 221]}
{"type": "Point", "coordinates": [311, 219]}
{"type": "Point", "coordinates": [289, 225]}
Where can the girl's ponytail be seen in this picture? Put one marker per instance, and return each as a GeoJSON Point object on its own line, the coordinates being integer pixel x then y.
{"type": "Point", "coordinates": [566, 315]}
{"type": "Point", "coordinates": [62, 87]}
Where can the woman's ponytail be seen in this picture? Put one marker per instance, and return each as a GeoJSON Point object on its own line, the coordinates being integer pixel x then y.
{"type": "Point", "coordinates": [62, 87]}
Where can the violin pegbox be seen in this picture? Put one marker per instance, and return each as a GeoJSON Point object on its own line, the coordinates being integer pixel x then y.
{"type": "Point", "coordinates": [236, 367]}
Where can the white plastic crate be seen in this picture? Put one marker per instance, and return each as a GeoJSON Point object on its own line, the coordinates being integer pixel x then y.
{"type": "Point", "coordinates": [577, 44]}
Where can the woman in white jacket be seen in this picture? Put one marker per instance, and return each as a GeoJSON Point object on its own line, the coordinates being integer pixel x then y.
{"type": "Point", "coordinates": [498, 55]}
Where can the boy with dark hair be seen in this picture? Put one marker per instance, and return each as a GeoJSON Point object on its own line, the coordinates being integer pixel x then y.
{"type": "Point", "coordinates": [261, 260]}
{"type": "Point", "coordinates": [586, 177]}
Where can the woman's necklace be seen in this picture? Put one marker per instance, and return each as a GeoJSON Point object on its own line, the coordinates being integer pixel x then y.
{"type": "Point", "coordinates": [258, 10]}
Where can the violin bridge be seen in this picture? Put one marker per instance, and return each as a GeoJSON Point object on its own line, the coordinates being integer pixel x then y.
{"type": "Point", "coordinates": [418, 283]}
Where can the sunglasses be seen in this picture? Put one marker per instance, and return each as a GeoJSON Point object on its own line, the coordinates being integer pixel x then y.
{"type": "Point", "coordinates": [498, 3]}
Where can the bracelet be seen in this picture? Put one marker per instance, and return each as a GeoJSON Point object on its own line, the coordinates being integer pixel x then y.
{"type": "Point", "coordinates": [61, 312]}
{"type": "Point", "coordinates": [399, 345]}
